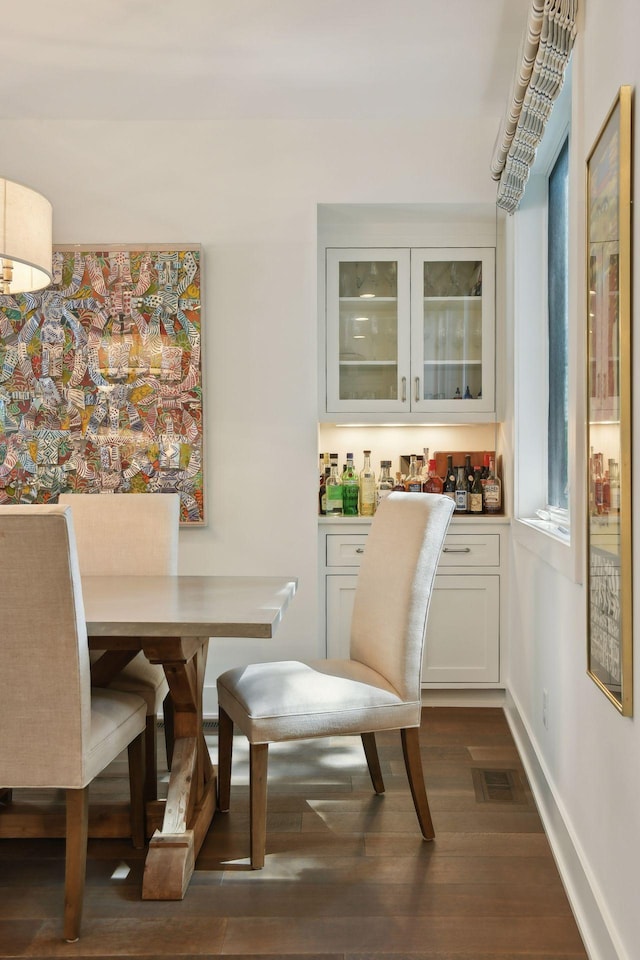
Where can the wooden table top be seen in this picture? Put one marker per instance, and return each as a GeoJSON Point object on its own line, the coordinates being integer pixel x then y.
{"type": "Point", "coordinates": [185, 606]}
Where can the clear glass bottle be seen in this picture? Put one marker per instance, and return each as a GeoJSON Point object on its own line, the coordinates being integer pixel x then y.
{"type": "Point", "coordinates": [367, 487]}
{"type": "Point", "coordinates": [461, 491]}
{"type": "Point", "coordinates": [334, 489]}
{"type": "Point", "coordinates": [476, 504]}
{"type": "Point", "coordinates": [325, 470]}
{"type": "Point", "coordinates": [433, 483]}
{"type": "Point", "coordinates": [492, 491]}
{"type": "Point", "coordinates": [385, 481]}
{"type": "Point", "coordinates": [414, 480]}
{"type": "Point", "coordinates": [350, 489]}
{"type": "Point", "coordinates": [449, 486]}
{"type": "Point", "coordinates": [399, 485]}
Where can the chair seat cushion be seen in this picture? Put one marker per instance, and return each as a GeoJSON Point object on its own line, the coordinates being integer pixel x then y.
{"type": "Point", "coordinates": [116, 719]}
{"type": "Point", "coordinates": [290, 700]}
{"type": "Point", "coordinates": [146, 680]}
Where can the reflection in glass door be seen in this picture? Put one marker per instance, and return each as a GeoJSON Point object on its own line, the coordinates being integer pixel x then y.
{"type": "Point", "coordinates": [452, 330]}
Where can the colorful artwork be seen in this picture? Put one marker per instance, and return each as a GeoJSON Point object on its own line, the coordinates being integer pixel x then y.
{"type": "Point", "coordinates": [100, 379]}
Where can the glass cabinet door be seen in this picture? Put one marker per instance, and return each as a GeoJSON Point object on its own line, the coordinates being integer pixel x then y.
{"type": "Point", "coordinates": [368, 338]}
{"type": "Point", "coordinates": [453, 329]}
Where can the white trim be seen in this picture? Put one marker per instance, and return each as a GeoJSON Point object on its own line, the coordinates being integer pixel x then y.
{"type": "Point", "coordinates": [588, 905]}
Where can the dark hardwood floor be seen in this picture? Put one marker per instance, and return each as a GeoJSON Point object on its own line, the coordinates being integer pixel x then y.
{"type": "Point", "coordinates": [347, 875]}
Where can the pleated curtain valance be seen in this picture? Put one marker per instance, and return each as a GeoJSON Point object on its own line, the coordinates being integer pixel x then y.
{"type": "Point", "coordinates": [545, 51]}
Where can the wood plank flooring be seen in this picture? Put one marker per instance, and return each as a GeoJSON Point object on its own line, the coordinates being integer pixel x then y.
{"type": "Point", "coordinates": [347, 875]}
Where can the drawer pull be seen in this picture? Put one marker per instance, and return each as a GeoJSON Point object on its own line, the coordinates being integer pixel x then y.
{"type": "Point", "coordinates": [359, 549]}
{"type": "Point", "coordinates": [456, 549]}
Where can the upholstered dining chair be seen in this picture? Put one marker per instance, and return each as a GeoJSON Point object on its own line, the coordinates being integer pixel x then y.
{"type": "Point", "coordinates": [120, 534]}
{"type": "Point", "coordinates": [377, 688]}
{"type": "Point", "coordinates": [57, 731]}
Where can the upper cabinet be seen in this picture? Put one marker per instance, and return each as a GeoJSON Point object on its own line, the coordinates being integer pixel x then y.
{"type": "Point", "coordinates": [410, 332]}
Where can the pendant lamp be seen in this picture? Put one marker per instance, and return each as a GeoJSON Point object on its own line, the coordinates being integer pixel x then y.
{"type": "Point", "coordinates": [25, 239]}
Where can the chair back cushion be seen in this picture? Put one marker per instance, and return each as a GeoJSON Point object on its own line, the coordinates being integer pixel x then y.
{"type": "Point", "coordinates": [394, 587]}
{"type": "Point", "coordinates": [45, 705]}
{"type": "Point", "coordinates": [130, 533]}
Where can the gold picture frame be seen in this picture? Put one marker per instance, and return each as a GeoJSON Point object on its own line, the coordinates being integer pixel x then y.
{"type": "Point", "coordinates": [608, 541]}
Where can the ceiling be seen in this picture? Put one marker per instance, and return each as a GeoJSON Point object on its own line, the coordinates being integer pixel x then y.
{"type": "Point", "coordinates": [196, 60]}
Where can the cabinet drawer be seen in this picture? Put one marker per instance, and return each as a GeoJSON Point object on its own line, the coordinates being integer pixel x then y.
{"type": "Point", "coordinates": [471, 550]}
{"type": "Point", "coordinates": [345, 550]}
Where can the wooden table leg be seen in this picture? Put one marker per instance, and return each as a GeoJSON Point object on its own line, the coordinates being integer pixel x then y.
{"type": "Point", "coordinates": [190, 802]}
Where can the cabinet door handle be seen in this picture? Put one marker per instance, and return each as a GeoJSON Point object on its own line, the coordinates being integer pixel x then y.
{"type": "Point", "coordinates": [404, 389]}
{"type": "Point", "coordinates": [456, 549]}
{"type": "Point", "coordinates": [417, 394]}
{"type": "Point", "coordinates": [359, 549]}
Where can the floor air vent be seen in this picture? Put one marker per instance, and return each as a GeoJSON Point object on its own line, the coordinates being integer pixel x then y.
{"type": "Point", "coordinates": [498, 786]}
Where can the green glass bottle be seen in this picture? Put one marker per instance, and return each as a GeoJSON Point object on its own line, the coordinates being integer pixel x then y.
{"type": "Point", "coordinates": [350, 489]}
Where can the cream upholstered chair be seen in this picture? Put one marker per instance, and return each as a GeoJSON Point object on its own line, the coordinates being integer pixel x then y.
{"type": "Point", "coordinates": [57, 731]}
{"type": "Point", "coordinates": [119, 534]}
{"type": "Point", "coordinates": [378, 688]}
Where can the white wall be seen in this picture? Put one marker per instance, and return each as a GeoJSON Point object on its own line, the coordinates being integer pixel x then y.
{"type": "Point", "coordinates": [247, 191]}
{"type": "Point", "coordinates": [588, 759]}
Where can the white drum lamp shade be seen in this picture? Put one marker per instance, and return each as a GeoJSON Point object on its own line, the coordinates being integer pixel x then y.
{"type": "Point", "coordinates": [25, 239]}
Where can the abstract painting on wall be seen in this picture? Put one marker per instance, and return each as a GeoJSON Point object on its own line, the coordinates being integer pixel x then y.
{"type": "Point", "coordinates": [101, 378]}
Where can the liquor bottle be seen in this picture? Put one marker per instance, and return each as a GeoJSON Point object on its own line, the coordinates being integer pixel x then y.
{"type": "Point", "coordinates": [367, 487]}
{"type": "Point", "coordinates": [492, 491]}
{"type": "Point", "coordinates": [449, 486]}
{"type": "Point", "coordinates": [598, 483]}
{"type": "Point", "coordinates": [385, 481]}
{"type": "Point", "coordinates": [433, 483]}
{"type": "Point", "coordinates": [457, 395]}
{"type": "Point", "coordinates": [475, 494]}
{"type": "Point", "coordinates": [399, 485]}
{"type": "Point", "coordinates": [468, 470]}
{"type": "Point", "coordinates": [425, 465]}
{"type": "Point", "coordinates": [614, 488]}
{"type": "Point", "coordinates": [325, 470]}
{"type": "Point", "coordinates": [334, 489]}
{"type": "Point", "coordinates": [414, 480]}
{"type": "Point", "coordinates": [467, 394]}
{"type": "Point", "coordinates": [350, 489]}
{"type": "Point", "coordinates": [461, 493]}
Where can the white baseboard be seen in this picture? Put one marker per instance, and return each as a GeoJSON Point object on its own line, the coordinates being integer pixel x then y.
{"type": "Point", "coordinates": [595, 926]}
{"type": "Point", "coordinates": [462, 697]}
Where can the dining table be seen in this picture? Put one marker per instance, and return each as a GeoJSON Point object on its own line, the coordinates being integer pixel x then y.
{"type": "Point", "coordinates": [171, 619]}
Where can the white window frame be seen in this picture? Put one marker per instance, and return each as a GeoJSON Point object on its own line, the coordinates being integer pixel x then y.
{"type": "Point", "coordinates": [555, 535]}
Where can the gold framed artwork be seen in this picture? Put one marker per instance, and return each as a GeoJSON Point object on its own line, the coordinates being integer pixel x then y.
{"type": "Point", "coordinates": [101, 378]}
{"type": "Point", "coordinates": [608, 541]}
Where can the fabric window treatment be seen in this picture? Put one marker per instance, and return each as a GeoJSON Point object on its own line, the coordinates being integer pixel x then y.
{"type": "Point", "coordinates": [544, 53]}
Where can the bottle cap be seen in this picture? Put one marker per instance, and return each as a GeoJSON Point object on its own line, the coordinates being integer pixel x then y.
{"type": "Point", "coordinates": [367, 453]}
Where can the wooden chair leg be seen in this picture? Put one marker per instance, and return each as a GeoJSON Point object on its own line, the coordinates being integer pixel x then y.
{"type": "Point", "coordinates": [151, 759]}
{"type": "Point", "coordinates": [225, 755]}
{"type": "Point", "coordinates": [77, 803]}
{"type": "Point", "coordinates": [168, 713]}
{"type": "Point", "coordinates": [258, 761]}
{"type": "Point", "coordinates": [136, 790]}
{"type": "Point", "coordinates": [373, 762]}
{"type": "Point", "coordinates": [413, 763]}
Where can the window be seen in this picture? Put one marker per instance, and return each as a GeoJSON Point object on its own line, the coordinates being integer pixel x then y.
{"type": "Point", "coordinates": [548, 375]}
{"type": "Point", "coordinates": [558, 325]}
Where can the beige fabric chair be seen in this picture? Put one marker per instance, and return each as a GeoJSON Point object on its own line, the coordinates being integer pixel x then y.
{"type": "Point", "coordinates": [119, 534]}
{"type": "Point", "coordinates": [57, 731]}
{"type": "Point", "coordinates": [378, 688]}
